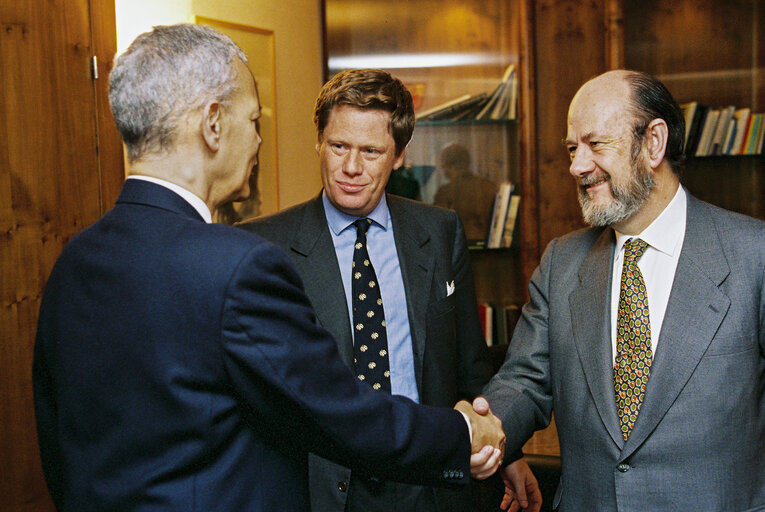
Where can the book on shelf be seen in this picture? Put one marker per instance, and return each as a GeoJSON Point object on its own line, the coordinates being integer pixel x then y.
{"type": "Point", "coordinates": [715, 147]}
{"type": "Point", "coordinates": [442, 106]}
{"type": "Point", "coordinates": [486, 316]}
{"type": "Point", "coordinates": [689, 110]}
{"type": "Point", "coordinates": [694, 133]}
{"type": "Point", "coordinates": [498, 322]}
{"type": "Point", "coordinates": [707, 132]}
{"type": "Point", "coordinates": [760, 139]}
{"type": "Point", "coordinates": [503, 101]}
{"type": "Point", "coordinates": [730, 135]}
{"type": "Point", "coordinates": [453, 109]}
{"type": "Point", "coordinates": [499, 215]}
{"type": "Point", "coordinates": [742, 121]}
{"type": "Point", "coordinates": [752, 135]}
{"type": "Point", "coordinates": [511, 221]}
{"type": "Point", "coordinates": [722, 131]}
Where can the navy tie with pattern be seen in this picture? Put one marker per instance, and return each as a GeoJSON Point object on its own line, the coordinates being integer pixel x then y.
{"type": "Point", "coordinates": [633, 339]}
{"type": "Point", "coordinates": [370, 345]}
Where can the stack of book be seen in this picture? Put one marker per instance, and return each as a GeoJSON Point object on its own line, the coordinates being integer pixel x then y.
{"type": "Point", "coordinates": [722, 131]}
{"type": "Point", "coordinates": [500, 104]}
{"type": "Point", "coordinates": [504, 217]}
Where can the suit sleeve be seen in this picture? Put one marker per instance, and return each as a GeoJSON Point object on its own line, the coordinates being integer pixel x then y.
{"type": "Point", "coordinates": [299, 393]}
{"type": "Point", "coordinates": [520, 393]}
{"type": "Point", "coordinates": [474, 368]}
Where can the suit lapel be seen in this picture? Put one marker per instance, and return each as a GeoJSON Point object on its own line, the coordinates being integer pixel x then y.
{"type": "Point", "coordinates": [318, 266]}
{"type": "Point", "coordinates": [417, 263]}
{"type": "Point", "coordinates": [695, 295]}
{"type": "Point", "coordinates": [590, 309]}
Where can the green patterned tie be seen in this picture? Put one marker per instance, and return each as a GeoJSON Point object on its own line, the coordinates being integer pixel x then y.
{"type": "Point", "coordinates": [633, 339]}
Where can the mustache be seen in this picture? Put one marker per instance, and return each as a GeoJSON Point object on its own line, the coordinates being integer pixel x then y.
{"type": "Point", "coordinates": [592, 179]}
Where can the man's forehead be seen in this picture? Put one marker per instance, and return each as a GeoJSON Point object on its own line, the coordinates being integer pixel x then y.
{"type": "Point", "coordinates": [599, 107]}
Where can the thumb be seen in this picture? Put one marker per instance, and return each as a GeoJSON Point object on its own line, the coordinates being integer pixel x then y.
{"type": "Point", "coordinates": [481, 406]}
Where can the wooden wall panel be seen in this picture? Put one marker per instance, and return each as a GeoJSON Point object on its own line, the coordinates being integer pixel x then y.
{"type": "Point", "coordinates": [50, 188]}
{"type": "Point", "coordinates": [570, 48]}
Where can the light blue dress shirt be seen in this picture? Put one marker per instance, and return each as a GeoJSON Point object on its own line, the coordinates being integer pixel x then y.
{"type": "Point", "coordinates": [382, 252]}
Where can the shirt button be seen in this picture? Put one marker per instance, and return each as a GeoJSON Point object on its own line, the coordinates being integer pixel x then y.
{"type": "Point", "coordinates": [342, 486]}
{"type": "Point", "coordinates": [623, 467]}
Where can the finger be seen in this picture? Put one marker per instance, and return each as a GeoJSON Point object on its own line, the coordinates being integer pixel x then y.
{"type": "Point", "coordinates": [488, 468]}
{"type": "Point", "coordinates": [481, 457]}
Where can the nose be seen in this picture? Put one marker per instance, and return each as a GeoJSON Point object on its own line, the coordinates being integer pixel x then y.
{"type": "Point", "coordinates": [352, 165]}
{"type": "Point", "coordinates": [581, 161]}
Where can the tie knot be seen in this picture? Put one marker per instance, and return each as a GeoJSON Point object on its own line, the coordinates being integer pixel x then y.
{"type": "Point", "coordinates": [634, 249]}
{"type": "Point", "coordinates": [362, 225]}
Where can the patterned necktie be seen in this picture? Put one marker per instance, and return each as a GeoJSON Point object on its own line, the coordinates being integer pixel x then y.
{"type": "Point", "coordinates": [633, 339]}
{"type": "Point", "coordinates": [370, 341]}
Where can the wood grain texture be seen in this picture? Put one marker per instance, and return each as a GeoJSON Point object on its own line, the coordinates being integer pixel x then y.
{"type": "Point", "coordinates": [50, 188]}
{"type": "Point", "coordinates": [711, 52]}
{"type": "Point", "coordinates": [570, 49]}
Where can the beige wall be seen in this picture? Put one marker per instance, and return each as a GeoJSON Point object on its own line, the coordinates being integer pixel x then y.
{"type": "Point", "coordinates": [296, 25]}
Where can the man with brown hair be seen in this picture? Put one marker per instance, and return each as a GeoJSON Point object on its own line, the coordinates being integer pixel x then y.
{"type": "Point", "coordinates": [434, 351]}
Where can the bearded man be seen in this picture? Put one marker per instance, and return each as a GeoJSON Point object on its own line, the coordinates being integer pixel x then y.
{"type": "Point", "coordinates": [646, 332]}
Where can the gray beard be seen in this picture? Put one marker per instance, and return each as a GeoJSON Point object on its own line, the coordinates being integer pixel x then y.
{"type": "Point", "coordinates": [628, 198]}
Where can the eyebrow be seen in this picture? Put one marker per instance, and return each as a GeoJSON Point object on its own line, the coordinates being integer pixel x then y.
{"type": "Point", "coordinates": [585, 138]}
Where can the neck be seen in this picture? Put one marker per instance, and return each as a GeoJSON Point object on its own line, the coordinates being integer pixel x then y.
{"type": "Point", "coordinates": [661, 195]}
{"type": "Point", "coordinates": [177, 168]}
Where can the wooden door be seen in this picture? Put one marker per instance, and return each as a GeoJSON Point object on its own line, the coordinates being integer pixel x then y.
{"type": "Point", "coordinates": [60, 168]}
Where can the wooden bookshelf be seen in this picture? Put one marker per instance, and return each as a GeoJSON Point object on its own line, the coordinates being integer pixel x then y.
{"type": "Point", "coordinates": [710, 52]}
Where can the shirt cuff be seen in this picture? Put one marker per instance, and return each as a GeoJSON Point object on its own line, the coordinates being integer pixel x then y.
{"type": "Point", "coordinates": [470, 430]}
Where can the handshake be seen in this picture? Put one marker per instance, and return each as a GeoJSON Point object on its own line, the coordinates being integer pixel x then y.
{"type": "Point", "coordinates": [488, 438]}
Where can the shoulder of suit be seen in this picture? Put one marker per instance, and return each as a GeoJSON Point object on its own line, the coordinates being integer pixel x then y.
{"type": "Point", "coordinates": [285, 221]}
{"type": "Point", "coordinates": [412, 207]}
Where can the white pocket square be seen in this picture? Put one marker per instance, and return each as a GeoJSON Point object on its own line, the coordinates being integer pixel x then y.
{"type": "Point", "coordinates": [449, 288]}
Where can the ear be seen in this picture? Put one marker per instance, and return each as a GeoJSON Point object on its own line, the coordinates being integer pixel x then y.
{"type": "Point", "coordinates": [657, 135]}
{"type": "Point", "coordinates": [211, 125]}
{"type": "Point", "coordinates": [399, 161]}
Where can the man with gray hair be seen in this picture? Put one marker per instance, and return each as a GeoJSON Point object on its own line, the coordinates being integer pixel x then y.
{"type": "Point", "coordinates": [178, 364]}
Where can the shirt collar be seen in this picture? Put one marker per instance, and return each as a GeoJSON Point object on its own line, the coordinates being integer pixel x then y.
{"type": "Point", "coordinates": [339, 221]}
{"type": "Point", "coordinates": [195, 201]}
{"type": "Point", "coordinates": [667, 230]}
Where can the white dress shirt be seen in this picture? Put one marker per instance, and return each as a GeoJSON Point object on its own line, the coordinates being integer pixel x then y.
{"type": "Point", "coordinates": [664, 237]}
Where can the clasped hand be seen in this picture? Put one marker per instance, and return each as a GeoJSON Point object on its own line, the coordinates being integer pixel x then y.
{"type": "Point", "coordinates": [488, 444]}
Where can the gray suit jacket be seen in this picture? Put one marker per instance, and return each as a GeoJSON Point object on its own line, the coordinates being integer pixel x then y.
{"type": "Point", "coordinates": [699, 440]}
{"type": "Point", "coordinates": [449, 352]}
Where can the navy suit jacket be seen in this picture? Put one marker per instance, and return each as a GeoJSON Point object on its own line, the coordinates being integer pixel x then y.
{"type": "Point", "coordinates": [179, 366]}
{"type": "Point", "coordinates": [449, 352]}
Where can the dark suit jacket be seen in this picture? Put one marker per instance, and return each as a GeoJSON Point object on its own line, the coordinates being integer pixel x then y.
{"type": "Point", "coordinates": [699, 439]}
{"type": "Point", "coordinates": [449, 351]}
{"type": "Point", "coordinates": [179, 366]}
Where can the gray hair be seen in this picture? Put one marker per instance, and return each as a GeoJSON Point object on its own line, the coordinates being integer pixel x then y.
{"type": "Point", "coordinates": [164, 75]}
